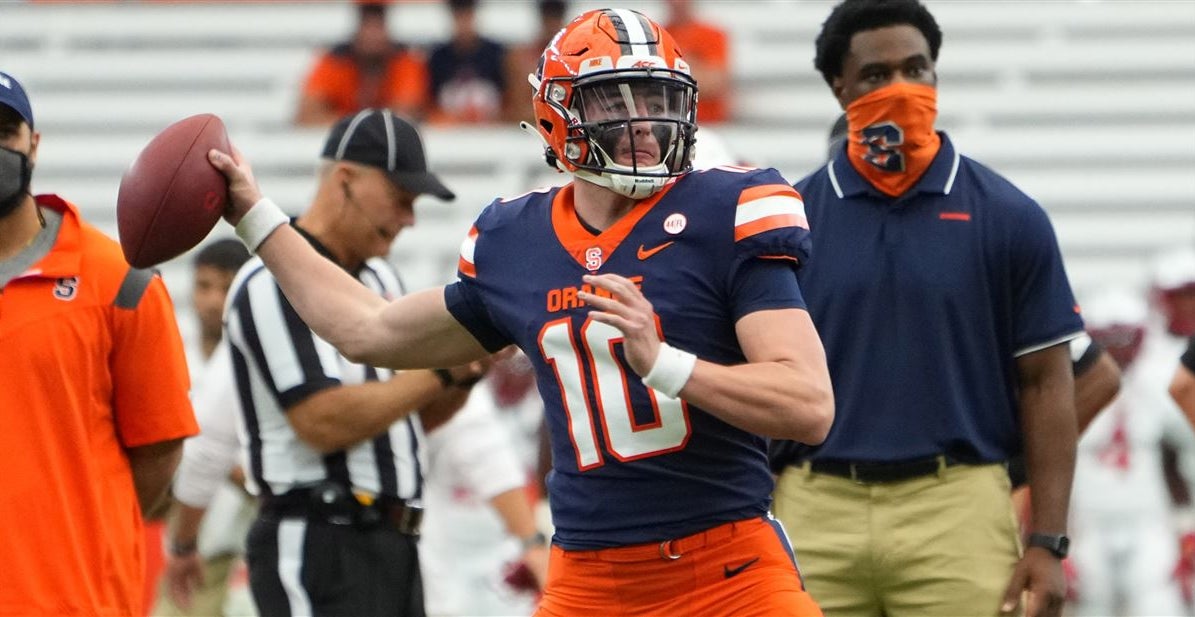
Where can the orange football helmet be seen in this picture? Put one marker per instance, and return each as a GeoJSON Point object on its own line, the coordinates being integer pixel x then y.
{"type": "Point", "coordinates": [615, 103]}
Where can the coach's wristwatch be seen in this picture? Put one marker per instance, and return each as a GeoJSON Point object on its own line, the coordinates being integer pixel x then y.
{"type": "Point", "coordinates": [536, 540]}
{"type": "Point", "coordinates": [1056, 543]}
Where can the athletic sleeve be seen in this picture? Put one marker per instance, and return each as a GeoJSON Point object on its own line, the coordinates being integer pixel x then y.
{"type": "Point", "coordinates": [1084, 353]}
{"type": "Point", "coordinates": [296, 363]}
{"type": "Point", "coordinates": [1044, 308]}
{"type": "Point", "coordinates": [410, 79]}
{"type": "Point", "coordinates": [475, 450]}
{"type": "Point", "coordinates": [464, 297]}
{"type": "Point", "coordinates": [209, 456]}
{"type": "Point", "coordinates": [324, 79]}
{"type": "Point", "coordinates": [771, 237]}
{"type": "Point", "coordinates": [466, 307]}
{"type": "Point", "coordinates": [150, 382]}
{"type": "Point", "coordinates": [762, 284]}
{"type": "Point", "coordinates": [769, 221]}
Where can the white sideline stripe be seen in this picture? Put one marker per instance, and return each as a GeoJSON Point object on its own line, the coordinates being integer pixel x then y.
{"type": "Point", "coordinates": [290, 563]}
{"type": "Point", "coordinates": [768, 206]}
{"type": "Point", "coordinates": [468, 245]}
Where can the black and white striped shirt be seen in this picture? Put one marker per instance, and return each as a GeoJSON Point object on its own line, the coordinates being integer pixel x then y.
{"type": "Point", "coordinates": [278, 361]}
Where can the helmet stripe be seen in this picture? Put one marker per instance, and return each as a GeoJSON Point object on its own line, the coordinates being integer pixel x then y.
{"type": "Point", "coordinates": [620, 29]}
{"type": "Point", "coordinates": [653, 42]}
{"type": "Point", "coordinates": [632, 29]}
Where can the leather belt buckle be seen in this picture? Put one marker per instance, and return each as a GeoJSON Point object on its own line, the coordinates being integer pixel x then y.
{"type": "Point", "coordinates": [407, 518]}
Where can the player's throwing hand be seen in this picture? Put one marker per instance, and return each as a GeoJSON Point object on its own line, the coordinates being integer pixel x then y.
{"type": "Point", "coordinates": [628, 310]}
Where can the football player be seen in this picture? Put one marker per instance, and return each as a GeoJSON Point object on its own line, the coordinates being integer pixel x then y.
{"type": "Point", "coordinates": [1126, 541]}
{"type": "Point", "coordinates": [661, 310]}
{"type": "Point", "coordinates": [1172, 295]}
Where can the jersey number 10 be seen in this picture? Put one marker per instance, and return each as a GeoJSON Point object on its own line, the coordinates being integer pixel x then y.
{"type": "Point", "coordinates": [626, 439]}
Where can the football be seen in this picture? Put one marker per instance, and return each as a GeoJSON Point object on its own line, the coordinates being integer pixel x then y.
{"type": "Point", "coordinates": [171, 196]}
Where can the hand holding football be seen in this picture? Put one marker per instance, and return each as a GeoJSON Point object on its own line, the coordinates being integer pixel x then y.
{"type": "Point", "coordinates": [171, 197]}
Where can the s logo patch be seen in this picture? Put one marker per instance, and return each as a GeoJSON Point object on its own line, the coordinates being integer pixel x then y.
{"type": "Point", "coordinates": [883, 142]}
{"type": "Point", "coordinates": [66, 289]}
{"type": "Point", "coordinates": [593, 258]}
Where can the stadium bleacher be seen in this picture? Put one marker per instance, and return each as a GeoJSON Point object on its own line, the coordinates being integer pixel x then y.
{"type": "Point", "coordinates": [1088, 106]}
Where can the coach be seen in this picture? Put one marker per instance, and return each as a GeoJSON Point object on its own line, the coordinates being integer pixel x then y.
{"type": "Point", "coordinates": [334, 447]}
{"type": "Point", "coordinates": [940, 295]}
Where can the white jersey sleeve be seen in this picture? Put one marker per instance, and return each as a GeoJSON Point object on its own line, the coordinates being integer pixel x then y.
{"type": "Point", "coordinates": [209, 456]}
{"type": "Point", "coordinates": [474, 451]}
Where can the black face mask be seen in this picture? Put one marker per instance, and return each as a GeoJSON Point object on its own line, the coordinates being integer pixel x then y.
{"type": "Point", "coordinates": [15, 175]}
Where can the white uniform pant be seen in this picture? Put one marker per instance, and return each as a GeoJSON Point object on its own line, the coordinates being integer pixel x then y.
{"type": "Point", "coordinates": [1125, 561]}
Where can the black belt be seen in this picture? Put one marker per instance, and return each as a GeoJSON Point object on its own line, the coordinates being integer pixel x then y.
{"type": "Point", "coordinates": [338, 505]}
{"type": "Point", "coordinates": [880, 473]}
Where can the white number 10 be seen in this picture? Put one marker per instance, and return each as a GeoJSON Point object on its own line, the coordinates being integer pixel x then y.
{"type": "Point", "coordinates": [626, 439]}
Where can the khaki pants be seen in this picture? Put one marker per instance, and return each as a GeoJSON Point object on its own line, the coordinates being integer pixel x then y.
{"type": "Point", "coordinates": [943, 545]}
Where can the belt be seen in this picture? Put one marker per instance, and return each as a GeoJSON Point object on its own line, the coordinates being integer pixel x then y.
{"type": "Point", "coordinates": [668, 550]}
{"type": "Point", "coordinates": [335, 504]}
{"type": "Point", "coordinates": [880, 473]}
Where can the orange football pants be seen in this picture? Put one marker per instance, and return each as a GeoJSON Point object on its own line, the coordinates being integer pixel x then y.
{"type": "Point", "coordinates": [745, 568]}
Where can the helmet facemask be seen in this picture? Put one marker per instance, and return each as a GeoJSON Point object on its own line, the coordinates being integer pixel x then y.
{"type": "Point", "coordinates": [630, 130]}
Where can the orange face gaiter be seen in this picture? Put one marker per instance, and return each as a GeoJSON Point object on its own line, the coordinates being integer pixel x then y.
{"type": "Point", "coordinates": [891, 135]}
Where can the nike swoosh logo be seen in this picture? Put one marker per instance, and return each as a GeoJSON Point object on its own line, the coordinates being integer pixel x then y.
{"type": "Point", "coordinates": [645, 253]}
{"type": "Point", "coordinates": [731, 572]}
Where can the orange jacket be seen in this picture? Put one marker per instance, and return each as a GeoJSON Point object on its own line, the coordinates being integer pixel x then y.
{"type": "Point", "coordinates": [92, 364]}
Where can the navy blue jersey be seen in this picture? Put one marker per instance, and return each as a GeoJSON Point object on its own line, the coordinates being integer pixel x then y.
{"type": "Point", "coordinates": [924, 303]}
{"type": "Point", "coordinates": [631, 465]}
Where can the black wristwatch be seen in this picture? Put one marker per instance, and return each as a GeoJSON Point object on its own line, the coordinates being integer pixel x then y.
{"type": "Point", "coordinates": [536, 540]}
{"type": "Point", "coordinates": [1056, 543]}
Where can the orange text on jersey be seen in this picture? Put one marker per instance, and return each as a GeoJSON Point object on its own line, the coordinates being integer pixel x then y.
{"type": "Point", "coordinates": [565, 298]}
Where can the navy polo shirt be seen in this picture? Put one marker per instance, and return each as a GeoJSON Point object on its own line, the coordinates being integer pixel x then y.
{"type": "Point", "coordinates": [924, 302]}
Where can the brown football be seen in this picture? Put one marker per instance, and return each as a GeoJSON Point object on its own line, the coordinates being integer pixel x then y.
{"type": "Point", "coordinates": [171, 196]}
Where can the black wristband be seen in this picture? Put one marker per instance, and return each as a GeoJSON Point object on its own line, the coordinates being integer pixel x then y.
{"type": "Point", "coordinates": [445, 377]}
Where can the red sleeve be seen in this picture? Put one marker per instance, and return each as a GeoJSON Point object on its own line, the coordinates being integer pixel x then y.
{"type": "Point", "coordinates": [320, 80]}
{"type": "Point", "coordinates": [409, 84]}
{"type": "Point", "coordinates": [150, 383]}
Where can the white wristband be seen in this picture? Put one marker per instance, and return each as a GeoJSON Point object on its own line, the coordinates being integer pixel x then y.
{"type": "Point", "coordinates": [259, 222]}
{"type": "Point", "coordinates": [671, 370]}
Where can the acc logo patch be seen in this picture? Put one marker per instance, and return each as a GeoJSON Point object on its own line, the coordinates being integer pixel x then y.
{"type": "Point", "coordinates": [66, 289]}
{"type": "Point", "coordinates": [675, 223]}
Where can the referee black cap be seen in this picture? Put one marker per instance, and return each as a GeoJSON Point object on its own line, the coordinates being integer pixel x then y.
{"type": "Point", "coordinates": [378, 138]}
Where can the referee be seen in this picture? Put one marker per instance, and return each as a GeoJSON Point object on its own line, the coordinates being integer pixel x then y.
{"type": "Point", "coordinates": [333, 448]}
